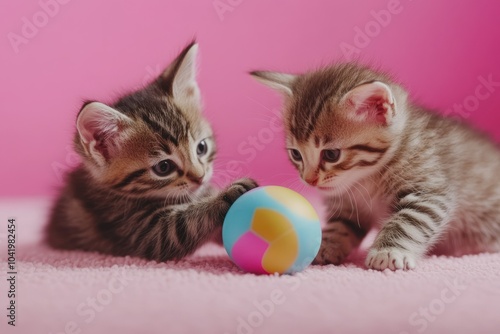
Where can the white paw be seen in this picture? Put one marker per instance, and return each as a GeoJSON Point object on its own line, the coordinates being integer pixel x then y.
{"type": "Point", "coordinates": [392, 258]}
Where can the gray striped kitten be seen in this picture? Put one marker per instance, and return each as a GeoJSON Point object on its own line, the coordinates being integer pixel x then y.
{"type": "Point", "coordinates": [142, 189]}
{"type": "Point", "coordinates": [429, 183]}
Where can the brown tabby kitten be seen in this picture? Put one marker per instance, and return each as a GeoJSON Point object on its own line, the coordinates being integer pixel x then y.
{"type": "Point", "coordinates": [142, 189]}
{"type": "Point", "coordinates": [380, 160]}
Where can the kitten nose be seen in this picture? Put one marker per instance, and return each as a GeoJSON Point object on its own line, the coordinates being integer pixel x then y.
{"type": "Point", "coordinates": [312, 181]}
{"type": "Point", "coordinates": [195, 177]}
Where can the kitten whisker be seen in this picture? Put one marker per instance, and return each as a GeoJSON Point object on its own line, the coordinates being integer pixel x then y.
{"type": "Point", "coordinates": [355, 205]}
{"type": "Point", "coordinates": [260, 104]}
{"type": "Point", "coordinates": [368, 202]}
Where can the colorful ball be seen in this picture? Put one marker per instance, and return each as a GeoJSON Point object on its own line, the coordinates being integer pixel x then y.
{"type": "Point", "coordinates": [271, 230]}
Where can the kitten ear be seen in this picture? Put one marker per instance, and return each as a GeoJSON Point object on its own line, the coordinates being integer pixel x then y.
{"type": "Point", "coordinates": [101, 130]}
{"type": "Point", "coordinates": [281, 82]}
{"type": "Point", "coordinates": [372, 101]}
{"type": "Point", "coordinates": [179, 79]}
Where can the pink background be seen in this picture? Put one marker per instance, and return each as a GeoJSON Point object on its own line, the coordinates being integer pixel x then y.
{"type": "Point", "coordinates": [100, 49]}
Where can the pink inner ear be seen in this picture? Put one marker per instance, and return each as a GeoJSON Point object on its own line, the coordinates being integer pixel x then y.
{"type": "Point", "coordinates": [93, 130]}
{"type": "Point", "coordinates": [101, 130]}
{"type": "Point", "coordinates": [103, 126]}
{"type": "Point", "coordinates": [102, 143]}
{"type": "Point", "coordinates": [373, 101]}
{"type": "Point", "coordinates": [375, 108]}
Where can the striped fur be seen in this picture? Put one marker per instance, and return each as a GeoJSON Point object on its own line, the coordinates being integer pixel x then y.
{"type": "Point", "coordinates": [429, 183]}
{"type": "Point", "coordinates": [115, 202]}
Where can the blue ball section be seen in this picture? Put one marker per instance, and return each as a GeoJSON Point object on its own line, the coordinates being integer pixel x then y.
{"type": "Point", "coordinates": [309, 234]}
{"type": "Point", "coordinates": [240, 216]}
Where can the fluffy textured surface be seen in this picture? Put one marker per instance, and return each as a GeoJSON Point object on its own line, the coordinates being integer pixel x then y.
{"type": "Point", "coordinates": [78, 292]}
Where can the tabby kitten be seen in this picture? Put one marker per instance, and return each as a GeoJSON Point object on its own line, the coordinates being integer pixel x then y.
{"type": "Point", "coordinates": [428, 182]}
{"type": "Point", "coordinates": [142, 189]}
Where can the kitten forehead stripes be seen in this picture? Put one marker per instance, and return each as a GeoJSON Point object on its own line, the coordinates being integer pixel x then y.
{"type": "Point", "coordinates": [308, 109]}
{"type": "Point", "coordinates": [162, 131]}
{"type": "Point", "coordinates": [368, 148]}
{"type": "Point", "coordinates": [160, 115]}
{"type": "Point", "coordinates": [316, 110]}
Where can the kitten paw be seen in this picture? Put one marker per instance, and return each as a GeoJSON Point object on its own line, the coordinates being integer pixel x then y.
{"type": "Point", "coordinates": [333, 250]}
{"type": "Point", "coordinates": [392, 258]}
{"type": "Point", "coordinates": [329, 255]}
{"type": "Point", "coordinates": [238, 188]}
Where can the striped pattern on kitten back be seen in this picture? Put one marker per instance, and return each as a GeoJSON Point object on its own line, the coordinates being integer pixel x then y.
{"type": "Point", "coordinates": [143, 187]}
{"type": "Point", "coordinates": [429, 183]}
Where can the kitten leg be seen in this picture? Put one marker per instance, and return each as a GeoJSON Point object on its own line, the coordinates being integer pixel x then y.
{"type": "Point", "coordinates": [340, 237]}
{"type": "Point", "coordinates": [175, 233]}
{"type": "Point", "coordinates": [410, 232]}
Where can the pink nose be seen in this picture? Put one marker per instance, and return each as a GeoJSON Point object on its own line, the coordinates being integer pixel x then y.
{"type": "Point", "coordinates": [198, 179]}
{"type": "Point", "coordinates": [313, 181]}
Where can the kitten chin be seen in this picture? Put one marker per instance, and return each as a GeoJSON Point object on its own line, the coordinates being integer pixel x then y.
{"type": "Point", "coordinates": [328, 189]}
{"type": "Point", "coordinates": [392, 164]}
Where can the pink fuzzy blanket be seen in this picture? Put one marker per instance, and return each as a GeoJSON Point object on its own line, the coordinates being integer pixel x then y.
{"type": "Point", "coordinates": [78, 292]}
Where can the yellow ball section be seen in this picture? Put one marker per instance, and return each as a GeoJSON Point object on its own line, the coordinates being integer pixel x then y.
{"type": "Point", "coordinates": [293, 201]}
{"type": "Point", "coordinates": [277, 230]}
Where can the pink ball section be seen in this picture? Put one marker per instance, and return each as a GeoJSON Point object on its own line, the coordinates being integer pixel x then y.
{"type": "Point", "coordinates": [252, 261]}
{"type": "Point", "coordinates": [57, 53]}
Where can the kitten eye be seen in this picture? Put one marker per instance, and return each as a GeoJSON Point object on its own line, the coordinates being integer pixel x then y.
{"type": "Point", "coordinates": [202, 148]}
{"type": "Point", "coordinates": [331, 155]}
{"type": "Point", "coordinates": [164, 167]}
{"type": "Point", "coordinates": [295, 154]}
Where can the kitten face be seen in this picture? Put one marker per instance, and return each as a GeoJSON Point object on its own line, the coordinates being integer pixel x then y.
{"type": "Point", "coordinates": [153, 142]}
{"type": "Point", "coordinates": [340, 122]}
{"type": "Point", "coordinates": [148, 163]}
{"type": "Point", "coordinates": [338, 153]}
